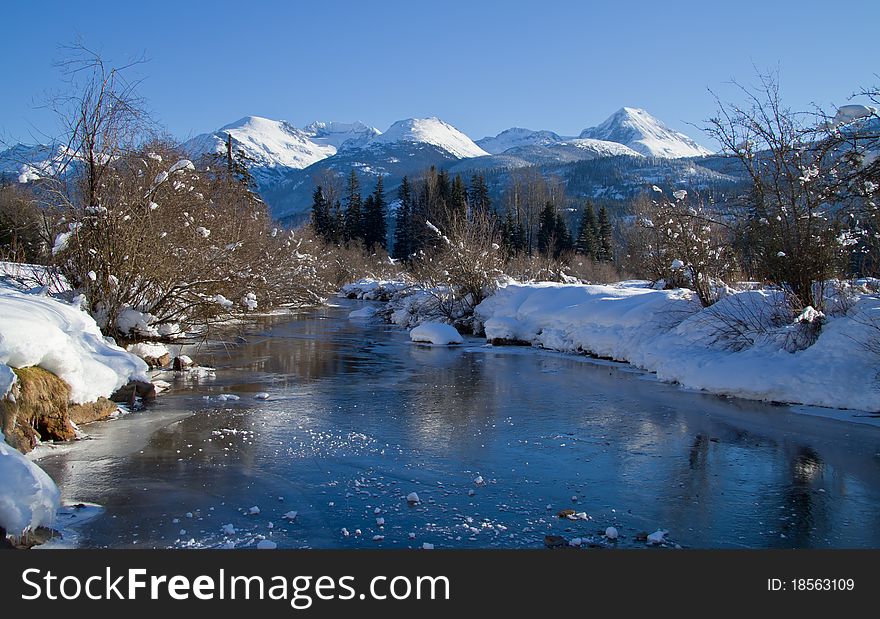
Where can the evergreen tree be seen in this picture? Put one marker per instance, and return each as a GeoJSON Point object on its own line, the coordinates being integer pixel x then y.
{"type": "Point", "coordinates": [478, 197]}
{"type": "Point", "coordinates": [403, 223]}
{"type": "Point", "coordinates": [562, 237]}
{"type": "Point", "coordinates": [366, 210]}
{"type": "Point", "coordinates": [237, 165]}
{"type": "Point", "coordinates": [321, 215]}
{"type": "Point", "coordinates": [353, 215]}
{"type": "Point", "coordinates": [604, 251]}
{"type": "Point", "coordinates": [337, 223]}
{"type": "Point", "coordinates": [513, 234]}
{"type": "Point", "coordinates": [547, 229]}
{"type": "Point", "coordinates": [458, 204]}
{"type": "Point", "coordinates": [587, 242]}
{"type": "Point", "coordinates": [375, 228]}
{"type": "Point", "coordinates": [553, 236]}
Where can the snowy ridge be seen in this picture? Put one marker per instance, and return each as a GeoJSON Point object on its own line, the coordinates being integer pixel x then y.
{"type": "Point", "coordinates": [602, 148]}
{"type": "Point", "coordinates": [516, 137]}
{"type": "Point", "coordinates": [270, 143]}
{"type": "Point", "coordinates": [25, 163]}
{"type": "Point", "coordinates": [430, 131]}
{"type": "Point", "coordinates": [337, 135]}
{"type": "Point", "coordinates": [640, 131]}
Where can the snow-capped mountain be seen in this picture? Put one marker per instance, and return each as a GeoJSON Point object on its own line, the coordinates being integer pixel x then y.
{"type": "Point", "coordinates": [517, 137]}
{"type": "Point", "coordinates": [274, 146]}
{"type": "Point", "coordinates": [566, 150]}
{"type": "Point", "coordinates": [24, 163]}
{"type": "Point", "coordinates": [339, 135]}
{"type": "Point", "coordinates": [431, 131]}
{"type": "Point", "coordinates": [599, 148]}
{"type": "Point", "coordinates": [287, 161]}
{"type": "Point", "coordinates": [642, 132]}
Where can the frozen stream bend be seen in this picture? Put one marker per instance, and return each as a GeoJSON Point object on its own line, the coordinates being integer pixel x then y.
{"type": "Point", "coordinates": [495, 442]}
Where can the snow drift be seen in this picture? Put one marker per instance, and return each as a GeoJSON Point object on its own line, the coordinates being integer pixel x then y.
{"type": "Point", "coordinates": [28, 496]}
{"type": "Point", "coordinates": [41, 331]}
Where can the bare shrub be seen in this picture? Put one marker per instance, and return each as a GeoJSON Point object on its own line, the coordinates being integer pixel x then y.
{"type": "Point", "coordinates": [23, 226]}
{"type": "Point", "coordinates": [343, 264]}
{"type": "Point", "coordinates": [680, 241]}
{"type": "Point", "coordinates": [465, 266]}
{"type": "Point", "coordinates": [524, 268]}
{"type": "Point", "coordinates": [787, 220]}
{"type": "Point", "coordinates": [745, 319]}
{"type": "Point", "coordinates": [594, 272]}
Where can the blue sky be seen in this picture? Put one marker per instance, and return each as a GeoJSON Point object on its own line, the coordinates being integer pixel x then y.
{"type": "Point", "coordinates": [482, 66]}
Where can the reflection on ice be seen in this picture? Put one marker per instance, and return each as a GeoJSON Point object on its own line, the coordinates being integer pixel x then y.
{"type": "Point", "coordinates": [339, 422]}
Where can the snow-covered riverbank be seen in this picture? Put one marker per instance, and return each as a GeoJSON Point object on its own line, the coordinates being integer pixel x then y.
{"type": "Point", "coordinates": [40, 331]}
{"type": "Point", "coordinates": [745, 345]}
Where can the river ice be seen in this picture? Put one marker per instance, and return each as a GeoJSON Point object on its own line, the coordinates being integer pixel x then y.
{"type": "Point", "coordinates": [496, 443]}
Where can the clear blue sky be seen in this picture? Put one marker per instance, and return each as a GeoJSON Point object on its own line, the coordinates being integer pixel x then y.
{"type": "Point", "coordinates": [482, 66]}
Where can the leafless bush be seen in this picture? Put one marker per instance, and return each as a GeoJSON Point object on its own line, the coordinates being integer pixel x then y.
{"type": "Point", "coordinates": [680, 241]}
{"type": "Point", "coordinates": [788, 223]}
{"type": "Point", "coordinates": [745, 319]}
{"type": "Point", "coordinates": [594, 272]}
{"type": "Point", "coordinates": [343, 264]}
{"type": "Point", "coordinates": [465, 266]}
{"type": "Point", "coordinates": [536, 268]}
{"type": "Point", "coordinates": [24, 227]}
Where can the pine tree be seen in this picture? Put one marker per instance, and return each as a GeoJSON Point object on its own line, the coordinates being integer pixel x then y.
{"type": "Point", "coordinates": [547, 229]}
{"type": "Point", "coordinates": [604, 251]}
{"type": "Point", "coordinates": [353, 216]}
{"type": "Point", "coordinates": [562, 237]}
{"type": "Point", "coordinates": [321, 215]}
{"type": "Point", "coordinates": [403, 223]}
{"type": "Point", "coordinates": [587, 244]}
{"type": "Point", "coordinates": [337, 223]}
{"type": "Point", "coordinates": [478, 196]}
{"type": "Point", "coordinates": [375, 228]}
{"type": "Point", "coordinates": [513, 234]}
{"type": "Point", "coordinates": [458, 203]}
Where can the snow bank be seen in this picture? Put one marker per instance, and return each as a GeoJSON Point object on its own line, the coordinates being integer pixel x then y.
{"type": "Point", "coordinates": [28, 496]}
{"type": "Point", "coordinates": [667, 332]}
{"type": "Point", "coordinates": [60, 338]}
{"type": "Point", "coordinates": [436, 333]}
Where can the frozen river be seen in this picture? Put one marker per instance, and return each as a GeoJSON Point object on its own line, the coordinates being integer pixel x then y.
{"type": "Point", "coordinates": [358, 417]}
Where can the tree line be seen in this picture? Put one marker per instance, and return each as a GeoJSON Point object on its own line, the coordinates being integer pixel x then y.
{"type": "Point", "coordinates": [435, 200]}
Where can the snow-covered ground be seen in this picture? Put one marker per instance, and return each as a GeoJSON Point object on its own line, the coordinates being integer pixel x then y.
{"type": "Point", "coordinates": [38, 330]}
{"type": "Point", "coordinates": [41, 331]}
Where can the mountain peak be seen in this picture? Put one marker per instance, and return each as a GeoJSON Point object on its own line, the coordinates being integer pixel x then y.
{"type": "Point", "coordinates": [269, 143]}
{"type": "Point", "coordinates": [642, 132]}
{"type": "Point", "coordinates": [517, 137]}
{"type": "Point", "coordinates": [337, 134]}
{"type": "Point", "coordinates": [432, 131]}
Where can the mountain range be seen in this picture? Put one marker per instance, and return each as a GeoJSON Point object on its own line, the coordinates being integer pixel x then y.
{"type": "Point", "coordinates": [287, 161]}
